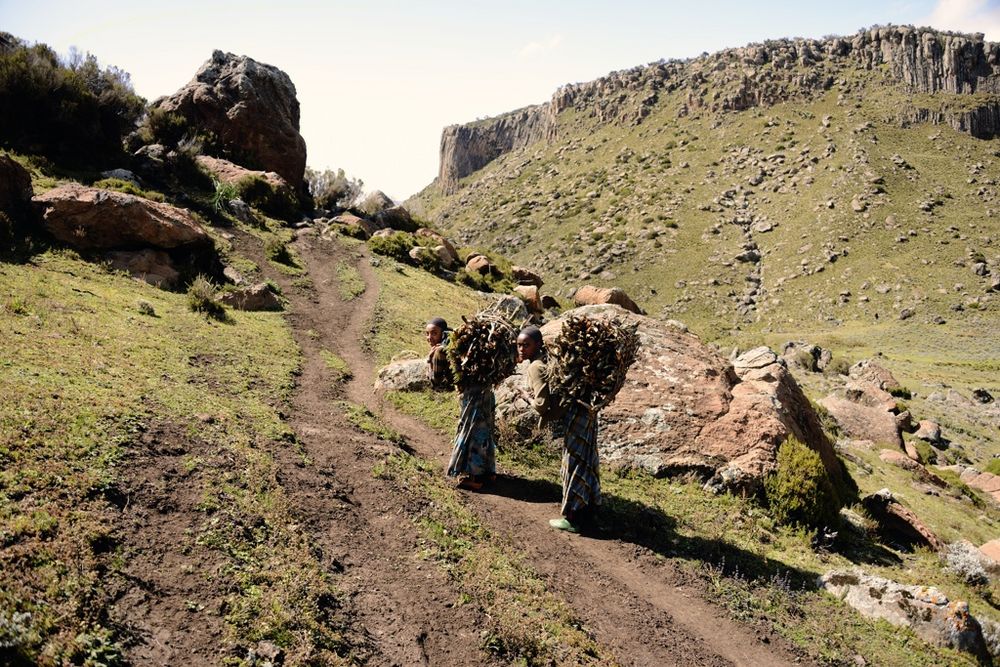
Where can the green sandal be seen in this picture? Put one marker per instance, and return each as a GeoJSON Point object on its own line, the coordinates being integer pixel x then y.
{"type": "Point", "coordinates": [563, 524]}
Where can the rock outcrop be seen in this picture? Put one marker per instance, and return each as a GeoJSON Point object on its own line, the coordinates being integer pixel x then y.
{"type": "Point", "coordinates": [404, 375]}
{"type": "Point", "coordinates": [922, 60]}
{"type": "Point", "coordinates": [897, 524]}
{"type": "Point", "coordinates": [15, 188]}
{"type": "Point", "coordinates": [254, 297]}
{"type": "Point", "coordinates": [250, 108]}
{"type": "Point", "coordinates": [469, 148]}
{"type": "Point", "coordinates": [686, 408]}
{"type": "Point", "coordinates": [924, 609]}
{"type": "Point", "coordinates": [228, 172]}
{"type": "Point", "coordinates": [588, 295]}
{"type": "Point", "coordinates": [95, 219]}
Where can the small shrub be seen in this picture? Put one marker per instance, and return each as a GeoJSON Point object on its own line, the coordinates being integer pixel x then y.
{"type": "Point", "coordinates": [838, 366]}
{"type": "Point", "coordinates": [901, 392]}
{"type": "Point", "coordinates": [354, 231]}
{"type": "Point", "coordinates": [276, 250]}
{"type": "Point", "coordinates": [273, 286]}
{"type": "Point", "coordinates": [826, 420]}
{"type": "Point", "coordinates": [925, 451]}
{"type": "Point", "coordinates": [800, 491]}
{"type": "Point", "coordinates": [15, 305]}
{"type": "Point", "coordinates": [396, 245]}
{"type": "Point", "coordinates": [145, 308]}
{"type": "Point", "coordinates": [275, 202]}
{"type": "Point", "coordinates": [993, 466]}
{"type": "Point", "coordinates": [201, 298]}
{"type": "Point", "coordinates": [224, 193]}
{"type": "Point", "coordinates": [806, 360]}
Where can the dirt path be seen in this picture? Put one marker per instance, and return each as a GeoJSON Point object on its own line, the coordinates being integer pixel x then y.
{"type": "Point", "coordinates": [403, 608]}
{"type": "Point", "coordinates": [645, 613]}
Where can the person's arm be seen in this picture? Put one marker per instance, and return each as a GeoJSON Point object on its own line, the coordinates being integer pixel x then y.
{"type": "Point", "coordinates": [542, 400]}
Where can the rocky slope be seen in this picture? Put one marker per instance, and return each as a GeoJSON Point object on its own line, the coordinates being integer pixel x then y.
{"type": "Point", "coordinates": [922, 60]}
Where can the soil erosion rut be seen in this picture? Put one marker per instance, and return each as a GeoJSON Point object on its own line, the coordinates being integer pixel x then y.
{"type": "Point", "coordinates": [642, 610]}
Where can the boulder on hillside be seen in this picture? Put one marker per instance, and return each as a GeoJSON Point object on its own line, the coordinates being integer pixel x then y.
{"type": "Point", "coordinates": [90, 218]}
{"type": "Point", "coordinates": [252, 110]}
{"type": "Point", "coordinates": [865, 412]}
{"type": "Point", "coordinates": [480, 264]}
{"type": "Point", "coordinates": [686, 408]}
{"type": "Point", "coordinates": [925, 610]}
{"type": "Point", "coordinates": [376, 202]}
{"type": "Point", "coordinates": [867, 370]}
{"type": "Point", "coordinates": [438, 239]}
{"type": "Point", "coordinates": [153, 266]}
{"type": "Point", "coordinates": [405, 375]}
{"type": "Point", "coordinates": [523, 276]}
{"type": "Point", "coordinates": [395, 217]}
{"type": "Point", "coordinates": [368, 227]}
{"type": "Point", "coordinates": [229, 172]}
{"type": "Point", "coordinates": [898, 525]}
{"type": "Point", "coordinates": [529, 294]}
{"type": "Point", "coordinates": [253, 298]}
{"type": "Point", "coordinates": [588, 295]}
{"type": "Point", "coordinates": [928, 431]}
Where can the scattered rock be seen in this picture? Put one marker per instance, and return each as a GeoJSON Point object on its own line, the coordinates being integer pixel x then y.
{"type": "Point", "coordinates": [928, 431]}
{"type": "Point", "coordinates": [869, 371]}
{"type": "Point", "coordinates": [395, 217]}
{"type": "Point", "coordinates": [254, 297]}
{"type": "Point", "coordinates": [589, 295]}
{"type": "Point", "coordinates": [897, 524]}
{"type": "Point", "coordinates": [405, 375]}
{"type": "Point", "coordinates": [991, 550]}
{"type": "Point", "coordinates": [925, 610]}
{"type": "Point", "coordinates": [228, 172]}
{"type": "Point", "coordinates": [982, 396]}
{"type": "Point", "coordinates": [480, 264]}
{"type": "Point", "coordinates": [529, 294]}
{"type": "Point", "coordinates": [438, 239]}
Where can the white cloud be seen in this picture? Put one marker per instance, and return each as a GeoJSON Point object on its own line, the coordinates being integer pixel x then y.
{"type": "Point", "coordinates": [537, 48]}
{"type": "Point", "coordinates": [967, 16]}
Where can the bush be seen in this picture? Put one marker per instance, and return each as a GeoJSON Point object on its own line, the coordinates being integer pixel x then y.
{"type": "Point", "coordinates": [800, 491]}
{"type": "Point", "coordinates": [354, 231]}
{"type": "Point", "coordinates": [224, 193]}
{"type": "Point", "coordinates": [276, 250]}
{"type": "Point", "coordinates": [145, 308]}
{"type": "Point", "coordinates": [163, 127]}
{"type": "Point", "coordinates": [838, 366]}
{"type": "Point", "coordinates": [397, 245]}
{"type": "Point", "coordinates": [71, 111]}
{"type": "Point", "coordinates": [201, 298]}
{"type": "Point", "coordinates": [901, 392]}
{"type": "Point", "coordinates": [993, 467]}
{"type": "Point", "coordinates": [332, 189]}
{"type": "Point", "coordinates": [275, 202]}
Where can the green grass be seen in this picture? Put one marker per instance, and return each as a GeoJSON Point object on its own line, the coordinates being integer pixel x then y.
{"type": "Point", "coordinates": [408, 297]}
{"type": "Point", "coordinates": [437, 409]}
{"type": "Point", "coordinates": [365, 420]}
{"type": "Point", "coordinates": [85, 374]}
{"type": "Point", "coordinates": [349, 281]}
{"type": "Point", "coordinates": [337, 365]}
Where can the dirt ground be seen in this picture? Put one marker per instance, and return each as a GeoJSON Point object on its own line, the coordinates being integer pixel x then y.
{"type": "Point", "coordinates": [400, 609]}
{"type": "Point", "coordinates": [644, 611]}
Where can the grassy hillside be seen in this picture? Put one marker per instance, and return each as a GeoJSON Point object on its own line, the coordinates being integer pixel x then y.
{"type": "Point", "coordinates": [855, 219]}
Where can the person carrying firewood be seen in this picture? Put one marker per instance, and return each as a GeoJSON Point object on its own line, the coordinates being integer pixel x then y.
{"type": "Point", "coordinates": [586, 369]}
{"type": "Point", "coordinates": [482, 354]}
{"type": "Point", "coordinates": [438, 369]}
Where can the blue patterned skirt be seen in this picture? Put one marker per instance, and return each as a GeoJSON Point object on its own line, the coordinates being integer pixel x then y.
{"type": "Point", "coordinates": [475, 450]}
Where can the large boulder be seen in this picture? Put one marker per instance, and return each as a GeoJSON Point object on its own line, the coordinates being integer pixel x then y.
{"type": "Point", "coordinates": [898, 524]}
{"type": "Point", "coordinates": [15, 188]}
{"type": "Point", "coordinates": [229, 172]}
{"type": "Point", "coordinates": [524, 276]}
{"type": "Point", "coordinates": [376, 202]}
{"type": "Point", "coordinates": [588, 295]}
{"type": "Point", "coordinates": [250, 108]}
{"type": "Point", "coordinates": [91, 218]}
{"type": "Point", "coordinates": [924, 609]}
{"type": "Point", "coordinates": [368, 227]}
{"type": "Point", "coordinates": [450, 254]}
{"type": "Point", "coordinates": [254, 297]}
{"type": "Point", "coordinates": [396, 217]}
{"type": "Point", "coordinates": [529, 294]}
{"type": "Point", "coordinates": [686, 408]}
{"type": "Point", "coordinates": [405, 375]}
{"type": "Point", "coordinates": [865, 412]}
{"type": "Point", "coordinates": [867, 370]}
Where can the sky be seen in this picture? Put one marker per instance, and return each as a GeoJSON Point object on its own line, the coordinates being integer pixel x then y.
{"type": "Point", "coordinates": [378, 80]}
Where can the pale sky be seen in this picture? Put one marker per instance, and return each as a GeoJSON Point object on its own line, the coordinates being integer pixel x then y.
{"type": "Point", "coordinates": [378, 80]}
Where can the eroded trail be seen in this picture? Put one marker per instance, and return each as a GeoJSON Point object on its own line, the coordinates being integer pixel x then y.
{"type": "Point", "coordinates": [641, 609]}
{"type": "Point", "coordinates": [403, 608]}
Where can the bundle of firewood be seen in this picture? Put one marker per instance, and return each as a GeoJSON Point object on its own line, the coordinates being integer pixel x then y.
{"type": "Point", "coordinates": [482, 351]}
{"type": "Point", "coordinates": [589, 359]}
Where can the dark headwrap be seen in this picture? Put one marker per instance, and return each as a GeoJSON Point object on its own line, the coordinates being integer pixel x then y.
{"type": "Point", "coordinates": [438, 322]}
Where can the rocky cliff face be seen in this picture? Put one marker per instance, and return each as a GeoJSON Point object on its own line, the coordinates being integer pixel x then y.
{"type": "Point", "coordinates": [251, 109]}
{"type": "Point", "coordinates": [468, 148]}
{"type": "Point", "coordinates": [921, 59]}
